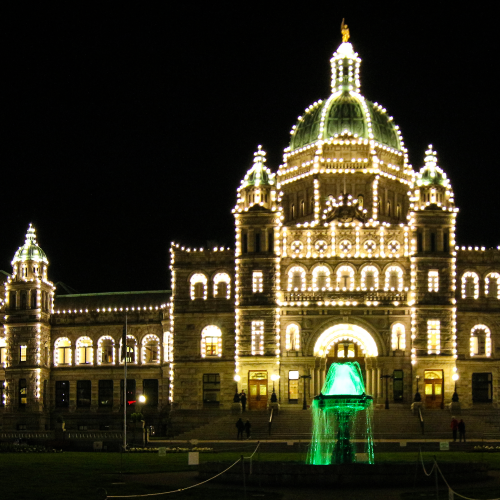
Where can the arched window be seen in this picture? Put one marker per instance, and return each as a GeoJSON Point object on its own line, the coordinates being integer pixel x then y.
{"type": "Point", "coordinates": [345, 278]}
{"type": "Point", "coordinates": [492, 286]}
{"type": "Point", "coordinates": [480, 341]}
{"type": "Point", "coordinates": [106, 351]}
{"type": "Point", "coordinates": [222, 288]}
{"type": "Point", "coordinates": [394, 279]}
{"type": "Point", "coordinates": [321, 278]}
{"type": "Point", "coordinates": [296, 279]}
{"type": "Point", "coordinates": [84, 351]}
{"type": "Point", "coordinates": [62, 351]}
{"type": "Point", "coordinates": [167, 347]}
{"type": "Point", "coordinates": [131, 348]}
{"type": "Point", "coordinates": [369, 278]}
{"type": "Point", "coordinates": [198, 286]}
{"type": "Point", "coordinates": [470, 285]}
{"type": "Point", "coordinates": [151, 349]}
{"type": "Point", "coordinates": [398, 340]}
{"type": "Point", "coordinates": [292, 338]}
{"type": "Point", "coordinates": [211, 342]}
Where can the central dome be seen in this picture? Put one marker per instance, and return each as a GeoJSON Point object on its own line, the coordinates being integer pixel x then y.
{"type": "Point", "coordinates": [346, 110]}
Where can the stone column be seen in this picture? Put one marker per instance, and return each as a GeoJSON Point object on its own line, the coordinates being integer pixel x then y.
{"type": "Point", "coordinates": [379, 383]}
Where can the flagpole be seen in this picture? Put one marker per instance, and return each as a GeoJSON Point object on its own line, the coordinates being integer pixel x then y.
{"type": "Point", "coordinates": [124, 354]}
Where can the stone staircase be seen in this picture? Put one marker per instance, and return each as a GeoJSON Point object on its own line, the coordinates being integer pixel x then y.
{"type": "Point", "coordinates": [396, 423]}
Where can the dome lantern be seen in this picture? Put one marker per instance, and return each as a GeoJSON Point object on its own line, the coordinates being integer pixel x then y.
{"type": "Point", "coordinates": [30, 253]}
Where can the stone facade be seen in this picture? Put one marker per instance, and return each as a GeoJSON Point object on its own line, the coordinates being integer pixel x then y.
{"type": "Point", "coordinates": [345, 253]}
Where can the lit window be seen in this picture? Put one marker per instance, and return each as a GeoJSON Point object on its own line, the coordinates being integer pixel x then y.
{"type": "Point", "coordinates": [257, 282]}
{"type": "Point", "coordinates": [211, 341]}
{"type": "Point", "coordinates": [492, 286]}
{"type": "Point", "coordinates": [480, 341]}
{"type": "Point", "coordinates": [394, 279]}
{"type": "Point", "coordinates": [369, 278]}
{"type": "Point", "coordinates": [84, 351]}
{"type": "Point", "coordinates": [433, 336]}
{"type": "Point", "coordinates": [131, 349]}
{"type": "Point", "coordinates": [198, 286]}
{"type": "Point", "coordinates": [321, 278]}
{"type": "Point", "coordinates": [151, 349]}
{"type": "Point", "coordinates": [470, 285]}
{"type": "Point", "coordinates": [257, 337]}
{"type": "Point", "coordinates": [296, 279]}
{"type": "Point", "coordinates": [345, 278]}
{"type": "Point", "coordinates": [398, 340]}
{"type": "Point", "coordinates": [222, 288]}
{"type": "Point", "coordinates": [62, 351]}
{"type": "Point", "coordinates": [292, 338]}
{"type": "Point", "coordinates": [23, 353]}
{"type": "Point", "coordinates": [23, 392]}
{"type": "Point", "coordinates": [106, 346]}
{"type": "Point", "coordinates": [3, 352]}
{"type": "Point", "coordinates": [433, 281]}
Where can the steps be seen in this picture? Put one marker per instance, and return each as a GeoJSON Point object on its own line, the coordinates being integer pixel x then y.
{"type": "Point", "coordinates": [396, 423]}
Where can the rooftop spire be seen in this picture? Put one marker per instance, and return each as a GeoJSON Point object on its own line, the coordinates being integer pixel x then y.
{"type": "Point", "coordinates": [345, 65]}
{"type": "Point", "coordinates": [31, 235]}
{"type": "Point", "coordinates": [344, 30]}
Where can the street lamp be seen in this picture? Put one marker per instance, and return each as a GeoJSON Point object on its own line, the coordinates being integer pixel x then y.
{"type": "Point", "coordinates": [304, 377]}
{"type": "Point", "coordinates": [417, 398]}
{"type": "Point", "coordinates": [274, 399]}
{"type": "Point", "coordinates": [387, 377]}
{"type": "Point", "coordinates": [454, 398]}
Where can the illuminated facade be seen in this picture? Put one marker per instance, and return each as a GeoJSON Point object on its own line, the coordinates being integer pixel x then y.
{"type": "Point", "coordinates": [344, 253]}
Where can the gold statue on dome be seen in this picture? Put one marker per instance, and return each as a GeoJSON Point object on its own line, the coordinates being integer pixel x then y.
{"type": "Point", "coordinates": [344, 29]}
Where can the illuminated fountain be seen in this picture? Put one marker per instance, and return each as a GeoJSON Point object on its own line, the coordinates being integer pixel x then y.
{"type": "Point", "coordinates": [341, 418]}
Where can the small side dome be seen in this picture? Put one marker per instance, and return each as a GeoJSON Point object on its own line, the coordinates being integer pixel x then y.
{"type": "Point", "coordinates": [430, 174]}
{"type": "Point", "coordinates": [30, 251]}
{"type": "Point", "coordinates": [259, 174]}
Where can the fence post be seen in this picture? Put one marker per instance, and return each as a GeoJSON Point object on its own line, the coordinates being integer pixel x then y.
{"type": "Point", "coordinates": [244, 484]}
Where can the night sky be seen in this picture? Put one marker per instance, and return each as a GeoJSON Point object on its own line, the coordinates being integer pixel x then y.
{"type": "Point", "coordinates": [126, 129]}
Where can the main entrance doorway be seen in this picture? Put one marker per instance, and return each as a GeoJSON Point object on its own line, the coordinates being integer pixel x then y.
{"type": "Point", "coordinates": [257, 385]}
{"type": "Point", "coordinates": [434, 389]}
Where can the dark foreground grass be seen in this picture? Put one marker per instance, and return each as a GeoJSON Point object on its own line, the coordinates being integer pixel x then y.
{"type": "Point", "coordinates": [77, 476]}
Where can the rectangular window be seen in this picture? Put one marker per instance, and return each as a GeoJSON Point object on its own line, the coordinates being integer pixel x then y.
{"type": "Point", "coordinates": [257, 282]}
{"type": "Point", "coordinates": [257, 242]}
{"type": "Point", "coordinates": [2, 390]}
{"type": "Point", "coordinates": [293, 386]}
{"type": "Point", "coordinates": [482, 387]}
{"type": "Point", "coordinates": [433, 336]}
{"type": "Point", "coordinates": [62, 394]}
{"type": "Point", "coordinates": [150, 391]}
{"type": "Point", "coordinates": [433, 281]}
{"type": "Point", "coordinates": [34, 299]}
{"type": "Point", "coordinates": [130, 392]}
{"type": "Point", "coordinates": [3, 354]}
{"type": "Point", "coordinates": [23, 353]}
{"type": "Point", "coordinates": [105, 393]}
{"type": "Point", "coordinates": [257, 338]}
{"type": "Point", "coordinates": [83, 393]}
{"type": "Point", "coordinates": [211, 389]}
{"type": "Point", "coordinates": [397, 385]}
{"type": "Point", "coordinates": [270, 241]}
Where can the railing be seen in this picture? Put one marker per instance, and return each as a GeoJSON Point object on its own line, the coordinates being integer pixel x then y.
{"type": "Point", "coordinates": [271, 420]}
{"type": "Point", "coordinates": [90, 435]}
{"type": "Point", "coordinates": [421, 418]}
{"type": "Point", "coordinates": [351, 296]}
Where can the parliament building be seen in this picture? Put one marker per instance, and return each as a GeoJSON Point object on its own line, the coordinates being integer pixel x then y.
{"type": "Point", "coordinates": [342, 253]}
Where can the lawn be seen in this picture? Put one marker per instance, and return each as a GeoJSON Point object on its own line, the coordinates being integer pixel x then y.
{"type": "Point", "coordinates": [75, 476]}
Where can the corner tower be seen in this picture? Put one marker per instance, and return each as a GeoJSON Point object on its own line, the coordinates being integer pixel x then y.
{"type": "Point", "coordinates": [29, 303]}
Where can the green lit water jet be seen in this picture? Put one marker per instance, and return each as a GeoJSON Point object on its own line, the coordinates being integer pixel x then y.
{"type": "Point", "coordinates": [341, 417]}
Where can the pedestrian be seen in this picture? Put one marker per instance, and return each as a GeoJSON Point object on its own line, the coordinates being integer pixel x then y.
{"type": "Point", "coordinates": [454, 428]}
{"type": "Point", "coordinates": [248, 427]}
{"type": "Point", "coordinates": [461, 430]}
{"type": "Point", "coordinates": [240, 426]}
{"type": "Point", "coordinates": [243, 399]}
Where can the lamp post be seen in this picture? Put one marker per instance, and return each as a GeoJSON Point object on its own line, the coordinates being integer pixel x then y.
{"type": "Point", "coordinates": [304, 377]}
{"type": "Point", "coordinates": [387, 377]}
{"type": "Point", "coordinates": [274, 399]}
{"type": "Point", "coordinates": [454, 398]}
{"type": "Point", "coordinates": [417, 398]}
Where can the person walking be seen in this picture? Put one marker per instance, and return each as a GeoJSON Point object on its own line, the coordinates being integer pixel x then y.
{"type": "Point", "coordinates": [461, 430]}
{"type": "Point", "coordinates": [240, 426]}
{"type": "Point", "coordinates": [454, 428]}
{"type": "Point", "coordinates": [243, 399]}
{"type": "Point", "coordinates": [248, 427]}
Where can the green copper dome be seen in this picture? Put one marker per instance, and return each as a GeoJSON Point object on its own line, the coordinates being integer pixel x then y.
{"type": "Point", "coordinates": [30, 250]}
{"type": "Point", "coordinates": [430, 174]}
{"type": "Point", "coordinates": [346, 112]}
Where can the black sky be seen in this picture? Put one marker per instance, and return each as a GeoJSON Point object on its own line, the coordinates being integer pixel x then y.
{"type": "Point", "coordinates": [128, 128]}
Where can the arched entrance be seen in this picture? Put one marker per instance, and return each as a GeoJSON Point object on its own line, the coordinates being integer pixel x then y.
{"type": "Point", "coordinates": [341, 343]}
